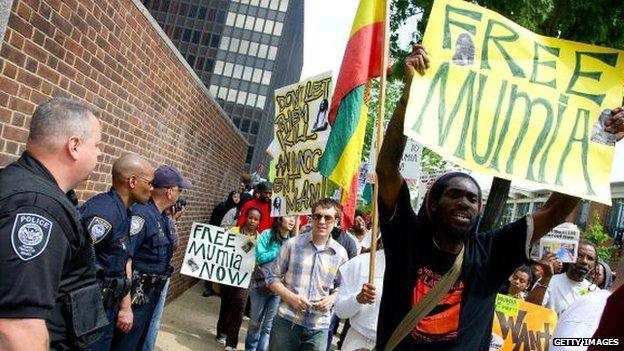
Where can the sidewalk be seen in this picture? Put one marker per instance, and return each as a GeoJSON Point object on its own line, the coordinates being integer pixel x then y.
{"type": "Point", "coordinates": [190, 323]}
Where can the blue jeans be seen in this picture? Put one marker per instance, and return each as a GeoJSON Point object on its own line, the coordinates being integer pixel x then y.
{"type": "Point", "coordinates": [152, 333]}
{"type": "Point", "coordinates": [288, 336]}
{"type": "Point", "coordinates": [263, 309]}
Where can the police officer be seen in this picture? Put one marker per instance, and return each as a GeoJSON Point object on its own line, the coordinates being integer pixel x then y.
{"type": "Point", "coordinates": [49, 296]}
{"type": "Point", "coordinates": [106, 217]}
{"type": "Point", "coordinates": [151, 238]}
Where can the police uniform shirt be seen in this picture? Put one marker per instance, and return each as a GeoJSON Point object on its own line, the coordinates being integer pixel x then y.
{"type": "Point", "coordinates": [41, 257]}
{"type": "Point", "coordinates": [151, 239]}
{"type": "Point", "coordinates": [107, 221]}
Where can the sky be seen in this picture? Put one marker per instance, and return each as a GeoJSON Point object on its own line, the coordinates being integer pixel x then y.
{"type": "Point", "coordinates": [325, 38]}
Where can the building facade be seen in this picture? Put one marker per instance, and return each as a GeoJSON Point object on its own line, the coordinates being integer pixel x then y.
{"type": "Point", "coordinates": [242, 50]}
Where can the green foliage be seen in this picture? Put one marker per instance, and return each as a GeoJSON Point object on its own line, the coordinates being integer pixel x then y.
{"type": "Point", "coordinates": [596, 234]}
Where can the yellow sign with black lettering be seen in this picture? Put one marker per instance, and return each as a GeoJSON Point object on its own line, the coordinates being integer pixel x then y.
{"type": "Point", "coordinates": [502, 100]}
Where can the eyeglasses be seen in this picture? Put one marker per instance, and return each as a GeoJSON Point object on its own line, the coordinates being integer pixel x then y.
{"type": "Point", "coordinates": [318, 216]}
{"type": "Point", "coordinates": [147, 181]}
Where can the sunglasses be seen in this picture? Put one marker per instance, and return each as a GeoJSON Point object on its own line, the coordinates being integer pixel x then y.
{"type": "Point", "coordinates": [147, 181]}
{"type": "Point", "coordinates": [318, 216]}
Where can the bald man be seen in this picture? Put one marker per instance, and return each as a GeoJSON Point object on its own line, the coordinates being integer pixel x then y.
{"type": "Point", "coordinates": [49, 296]}
{"type": "Point", "coordinates": [107, 219]}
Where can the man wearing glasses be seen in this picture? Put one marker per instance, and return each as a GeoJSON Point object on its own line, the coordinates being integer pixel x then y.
{"type": "Point", "coordinates": [107, 219]}
{"type": "Point", "coordinates": [305, 278]}
{"type": "Point", "coordinates": [152, 241]}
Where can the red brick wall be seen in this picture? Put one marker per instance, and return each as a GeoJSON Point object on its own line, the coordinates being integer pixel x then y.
{"type": "Point", "coordinates": [109, 54]}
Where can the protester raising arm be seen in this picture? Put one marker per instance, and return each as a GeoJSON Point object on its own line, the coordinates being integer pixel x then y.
{"type": "Point", "coordinates": [391, 152]}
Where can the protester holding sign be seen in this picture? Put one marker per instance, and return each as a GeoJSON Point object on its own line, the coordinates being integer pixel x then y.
{"type": "Point", "coordinates": [421, 248]}
{"type": "Point", "coordinates": [233, 298]}
{"type": "Point", "coordinates": [263, 203]}
{"type": "Point", "coordinates": [263, 301]}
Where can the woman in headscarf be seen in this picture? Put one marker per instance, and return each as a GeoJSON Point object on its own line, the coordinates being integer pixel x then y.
{"type": "Point", "coordinates": [222, 208]}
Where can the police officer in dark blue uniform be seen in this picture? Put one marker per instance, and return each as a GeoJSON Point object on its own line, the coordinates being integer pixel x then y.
{"type": "Point", "coordinates": [151, 239]}
{"type": "Point", "coordinates": [49, 296]}
{"type": "Point", "coordinates": [107, 218]}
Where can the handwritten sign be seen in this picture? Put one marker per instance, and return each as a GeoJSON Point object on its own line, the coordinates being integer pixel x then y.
{"type": "Point", "coordinates": [219, 256]}
{"type": "Point", "coordinates": [504, 101]}
{"type": "Point", "coordinates": [301, 132]}
{"type": "Point", "coordinates": [519, 325]}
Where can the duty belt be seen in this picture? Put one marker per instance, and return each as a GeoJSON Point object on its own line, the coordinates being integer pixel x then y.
{"type": "Point", "coordinates": [144, 283]}
{"type": "Point", "coordinates": [114, 289]}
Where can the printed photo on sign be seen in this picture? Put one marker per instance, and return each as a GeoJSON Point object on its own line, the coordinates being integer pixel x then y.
{"type": "Point", "coordinates": [301, 130]}
{"type": "Point", "coordinates": [220, 256]}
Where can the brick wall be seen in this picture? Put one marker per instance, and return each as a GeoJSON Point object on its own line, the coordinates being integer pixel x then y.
{"type": "Point", "coordinates": [113, 55]}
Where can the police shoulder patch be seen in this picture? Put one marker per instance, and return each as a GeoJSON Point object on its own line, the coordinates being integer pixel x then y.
{"type": "Point", "coordinates": [136, 224]}
{"type": "Point", "coordinates": [99, 228]}
{"type": "Point", "coordinates": [30, 235]}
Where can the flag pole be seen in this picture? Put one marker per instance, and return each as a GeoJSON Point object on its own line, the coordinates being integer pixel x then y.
{"type": "Point", "coordinates": [380, 131]}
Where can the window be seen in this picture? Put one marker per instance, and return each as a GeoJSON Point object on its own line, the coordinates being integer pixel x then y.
{"type": "Point", "coordinates": [283, 5]}
{"type": "Point", "coordinates": [247, 73]}
{"type": "Point", "coordinates": [266, 78]}
{"type": "Point", "coordinates": [202, 12]}
{"type": "Point", "coordinates": [220, 16]}
{"type": "Point", "coordinates": [273, 4]}
{"type": "Point", "coordinates": [231, 96]}
{"type": "Point", "coordinates": [272, 52]}
{"type": "Point", "coordinates": [222, 93]}
{"type": "Point", "coordinates": [214, 41]}
{"type": "Point", "coordinates": [251, 99]}
{"type": "Point", "coordinates": [209, 65]}
{"type": "Point", "coordinates": [507, 214]}
{"type": "Point", "coordinates": [249, 23]}
{"type": "Point", "coordinates": [244, 46]}
{"type": "Point", "coordinates": [234, 44]}
{"type": "Point", "coordinates": [521, 209]}
{"type": "Point", "coordinates": [231, 18]}
{"type": "Point", "coordinates": [199, 63]}
{"type": "Point", "coordinates": [249, 154]}
{"type": "Point", "coordinates": [177, 31]}
{"type": "Point", "coordinates": [196, 36]}
{"type": "Point", "coordinates": [257, 75]}
{"type": "Point", "coordinates": [262, 53]}
{"type": "Point", "coordinates": [259, 25]}
{"type": "Point", "coordinates": [186, 36]}
{"type": "Point", "coordinates": [238, 71]}
{"type": "Point", "coordinates": [225, 42]}
{"type": "Point", "coordinates": [260, 102]}
{"type": "Point", "coordinates": [183, 9]}
{"type": "Point", "coordinates": [278, 28]}
{"type": "Point", "coordinates": [240, 21]}
{"type": "Point", "coordinates": [245, 125]}
{"type": "Point", "coordinates": [219, 67]}
{"type": "Point", "coordinates": [213, 90]}
{"type": "Point", "coordinates": [212, 13]}
{"type": "Point", "coordinates": [254, 127]}
{"type": "Point", "coordinates": [191, 60]}
{"type": "Point", "coordinates": [253, 49]}
{"type": "Point", "coordinates": [227, 71]}
{"type": "Point", "coordinates": [264, 3]}
{"type": "Point", "coordinates": [193, 11]}
{"type": "Point", "coordinates": [236, 121]}
{"type": "Point", "coordinates": [268, 26]}
{"type": "Point", "coordinates": [242, 96]}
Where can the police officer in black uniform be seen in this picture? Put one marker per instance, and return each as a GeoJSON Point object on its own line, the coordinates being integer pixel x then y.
{"type": "Point", "coordinates": [151, 239]}
{"type": "Point", "coordinates": [107, 218]}
{"type": "Point", "coordinates": [49, 296]}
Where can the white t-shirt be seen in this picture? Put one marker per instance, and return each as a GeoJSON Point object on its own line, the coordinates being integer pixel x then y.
{"type": "Point", "coordinates": [563, 291]}
{"type": "Point", "coordinates": [580, 320]}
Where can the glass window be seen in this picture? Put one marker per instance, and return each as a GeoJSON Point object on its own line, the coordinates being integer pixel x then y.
{"type": "Point", "coordinates": [191, 60]}
{"type": "Point", "coordinates": [196, 36]}
{"type": "Point", "coordinates": [251, 99]}
{"type": "Point", "coordinates": [262, 52]}
{"type": "Point", "coordinates": [259, 25]}
{"type": "Point", "coordinates": [186, 36]}
{"type": "Point", "coordinates": [266, 78]}
{"type": "Point", "coordinates": [260, 102]}
{"type": "Point", "coordinates": [283, 5]}
{"type": "Point", "coordinates": [249, 23]}
{"type": "Point", "coordinates": [264, 3]}
{"type": "Point", "coordinates": [244, 46]}
{"type": "Point", "coordinates": [236, 121]}
{"type": "Point", "coordinates": [234, 44]}
{"type": "Point", "coordinates": [222, 93]}
{"type": "Point", "coordinates": [257, 75]}
{"type": "Point", "coordinates": [193, 11]}
{"type": "Point", "coordinates": [278, 28]}
{"type": "Point", "coordinates": [521, 209]}
{"type": "Point", "coordinates": [268, 26]}
{"type": "Point", "coordinates": [240, 20]}
{"type": "Point", "coordinates": [227, 71]}
{"type": "Point", "coordinates": [254, 2]}
{"type": "Point", "coordinates": [254, 127]}
{"type": "Point", "coordinates": [183, 9]}
{"type": "Point", "coordinates": [199, 63]}
{"type": "Point", "coordinates": [245, 125]}
{"type": "Point", "coordinates": [231, 17]}
{"type": "Point", "coordinates": [238, 71]}
{"type": "Point", "coordinates": [219, 67]}
{"type": "Point", "coordinates": [225, 42]}
{"type": "Point", "coordinates": [273, 5]}
{"type": "Point", "coordinates": [213, 90]}
{"type": "Point", "coordinates": [202, 12]}
{"type": "Point", "coordinates": [247, 73]}
{"type": "Point", "coordinates": [214, 41]}
{"type": "Point", "coordinates": [242, 96]}
{"type": "Point", "coordinates": [177, 31]}
{"type": "Point", "coordinates": [253, 48]}
{"type": "Point", "coordinates": [507, 214]}
{"type": "Point", "coordinates": [220, 16]}
{"type": "Point", "coordinates": [212, 13]}
{"type": "Point", "coordinates": [272, 52]}
{"type": "Point", "coordinates": [231, 96]}
{"type": "Point", "coordinates": [209, 65]}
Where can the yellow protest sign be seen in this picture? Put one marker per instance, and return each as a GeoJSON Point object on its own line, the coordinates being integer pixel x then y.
{"type": "Point", "coordinates": [300, 134]}
{"type": "Point", "coordinates": [519, 325]}
{"type": "Point", "coordinates": [502, 100]}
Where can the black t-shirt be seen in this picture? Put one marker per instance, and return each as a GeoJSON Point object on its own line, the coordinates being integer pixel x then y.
{"type": "Point", "coordinates": [462, 320]}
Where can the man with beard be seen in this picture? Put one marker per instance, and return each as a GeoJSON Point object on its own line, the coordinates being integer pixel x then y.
{"type": "Point", "coordinates": [107, 218]}
{"type": "Point", "coordinates": [421, 248]}
{"type": "Point", "coordinates": [263, 203]}
{"type": "Point", "coordinates": [559, 291]}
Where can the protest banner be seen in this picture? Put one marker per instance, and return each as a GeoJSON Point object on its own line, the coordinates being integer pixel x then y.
{"type": "Point", "coordinates": [219, 256]}
{"type": "Point", "coordinates": [519, 325]}
{"type": "Point", "coordinates": [504, 101]}
{"type": "Point", "coordinates": [410, 162]}
{"type": "Point", "coordinates": [301, 132]}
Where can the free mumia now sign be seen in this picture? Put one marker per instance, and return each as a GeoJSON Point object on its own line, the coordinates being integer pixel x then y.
{"type": "Point", "coordinates": [219, 256]}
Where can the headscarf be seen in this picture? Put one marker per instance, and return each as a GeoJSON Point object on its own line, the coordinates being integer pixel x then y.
{"type": "Point", "coordinates": [608, 275]}
{"type": "Point", "coordinates": [222, 208]}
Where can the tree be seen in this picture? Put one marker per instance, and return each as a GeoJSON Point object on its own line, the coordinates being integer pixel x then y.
{"type": "Point", "coordinates": [596, 22]}
{"type": "Point", "coordinates": [596, 234]}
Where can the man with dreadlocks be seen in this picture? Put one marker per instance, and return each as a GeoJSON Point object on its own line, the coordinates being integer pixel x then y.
{"type": "Point", "coordinates": [421, 248]}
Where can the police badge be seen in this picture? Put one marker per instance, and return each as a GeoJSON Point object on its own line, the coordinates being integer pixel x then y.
{"type": "Point", "coordinates": [30, 235]}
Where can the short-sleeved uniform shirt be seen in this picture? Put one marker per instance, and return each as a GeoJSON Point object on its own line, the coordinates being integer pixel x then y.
{"type": "Point", "coordinates": [108, 222]}
{"type": "Point", "coordinates": [462, 320]}
{"type": "Point", "coordinates": [42, 255]}
{"type": "Point", "coordinates": [151, 239]}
